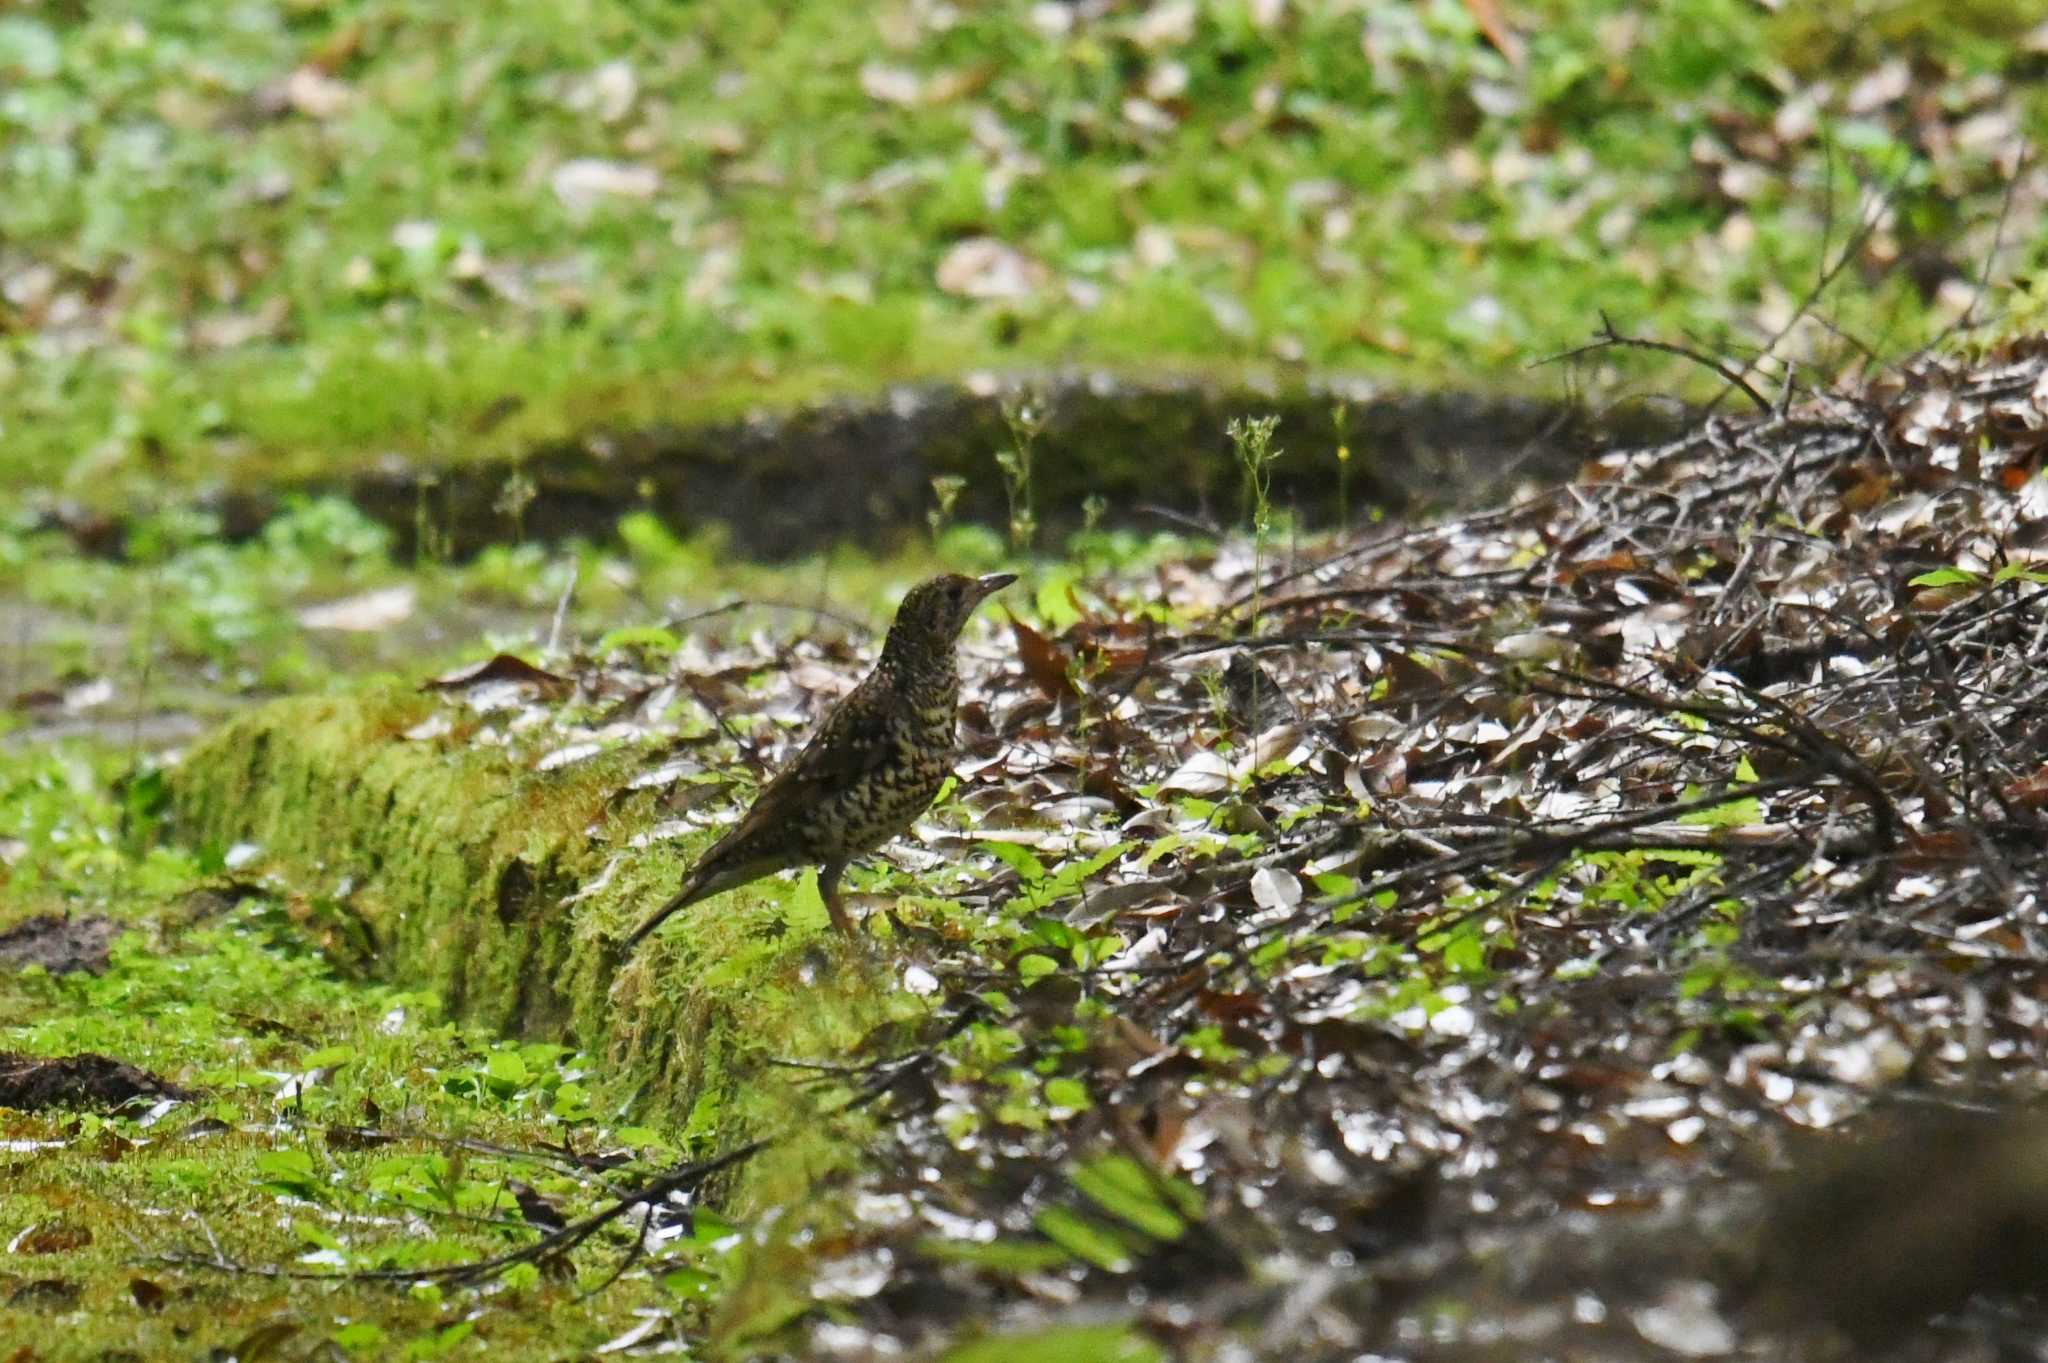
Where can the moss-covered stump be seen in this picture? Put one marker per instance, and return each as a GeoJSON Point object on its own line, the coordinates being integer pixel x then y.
{"type": "Point", "coordinates": [429, 853]}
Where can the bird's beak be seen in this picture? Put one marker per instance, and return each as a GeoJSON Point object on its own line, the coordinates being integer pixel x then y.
{"type": "Point", "coordinates": [993, 583]}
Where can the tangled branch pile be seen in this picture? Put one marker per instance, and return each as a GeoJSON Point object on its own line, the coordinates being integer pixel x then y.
{"type": "Point", "coordinates": [1602, 836]}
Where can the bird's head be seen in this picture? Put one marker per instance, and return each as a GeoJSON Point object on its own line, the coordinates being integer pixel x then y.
{"type": "Point", "coordinates": [933, 614]}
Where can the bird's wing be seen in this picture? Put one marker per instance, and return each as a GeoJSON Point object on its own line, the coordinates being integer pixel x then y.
{"type": "Point", "coordinates": [852, 742]}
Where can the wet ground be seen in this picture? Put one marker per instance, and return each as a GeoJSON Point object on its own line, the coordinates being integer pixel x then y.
{"type": "Point", "coordinates": [1150, 451]}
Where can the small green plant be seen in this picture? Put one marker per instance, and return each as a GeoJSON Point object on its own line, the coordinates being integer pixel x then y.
{"type": "Point", "coordinates": [1093, 508]}
{"type": "Point", "coordinates": [1252, 440]}
{"type": "Point", "coordinates": [432, 543]}
{"type": "Point", "coordinates": [946, 490]}
{"type": "Point", "coordinates": [1025, 420]}
{"type": "Point", "coordinates": [1340, 423]}
{"type": "Point", "coordinates": [1964, 577]}
{"type": "Point", "coordinates": [513, 498]}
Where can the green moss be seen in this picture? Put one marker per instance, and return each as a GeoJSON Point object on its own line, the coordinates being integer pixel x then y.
{"type": "Point", "coordinates": [442, 865]}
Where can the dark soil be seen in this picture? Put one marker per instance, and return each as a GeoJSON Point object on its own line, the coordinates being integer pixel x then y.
{"type": "Point", "coordinates": [59, 944]}
{"type": "Point", "coordinates": [860, 470]}
{"type": "Point", "coordinates": [97, 1082]}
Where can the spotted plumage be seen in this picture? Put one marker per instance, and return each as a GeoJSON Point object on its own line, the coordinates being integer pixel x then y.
{"type": "Point", "coordinates": [867, 773]}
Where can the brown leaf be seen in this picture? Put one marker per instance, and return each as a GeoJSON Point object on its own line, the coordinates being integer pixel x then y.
{"type": "Point", "coordinates": [58, 1237]}
{"type": "Point", "coordinates": [1869, 490]}
{"type": "Point", "coordinates": [1494, 24]}
{"type": "Point", "coordinates": [2029, 791]}
{"type": "Point", "coordinates": [148, 1295]}
{"type": "Point", "coordinates": [1168, 1126]}
{"type": "Point", "coordinates": [342, 1137]}
{"type": "Point", "coordinates": [1621, 561]}
{"type": "Point", "coordinates": [264, 1341]}
{"type": "Point", "coordinates": [1410, 679]}
{"type": "Point", "coordinates": [505, 667]}
{"type": "Point", "coordinates": [43, 1294]}
{"type": "Point", "coordinates": [539, 1212]}
{"type": "Point", "coordinates": [1230, 1007]}
{"type": "Point", "coordinates": [1121, 1043]}
{"type": "Point", "coordinates": [1044, 661]}
{"type": "Point", "coordinates": [339, 48]}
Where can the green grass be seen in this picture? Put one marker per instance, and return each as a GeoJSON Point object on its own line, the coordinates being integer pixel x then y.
{"type": "Point", "coordinates": [241, 978]}
{"type": "Point", "coordinates": [188, 622]}
{"type": "Point", "coordinates": [211, 273]}
{"type": "Point", "coordinates": [228, 999]}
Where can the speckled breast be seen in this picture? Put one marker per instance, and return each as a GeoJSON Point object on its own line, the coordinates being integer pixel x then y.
{"type": "Point", "coordinates": [871, 812]}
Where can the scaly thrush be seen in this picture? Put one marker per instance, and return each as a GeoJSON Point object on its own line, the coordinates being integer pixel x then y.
{"type": "Point", "coordinates": [867, 773]}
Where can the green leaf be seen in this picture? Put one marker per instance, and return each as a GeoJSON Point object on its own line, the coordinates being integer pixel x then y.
{"type": "Point", "coordinates": [1018, 858]}
{"type": "Point", "coordinates": [1072, 1344]}
{"type": "Point", "coordinates": [291, 1172]}
{"type": "Point", "coordinates": [360, 1337]}
{"type": "Point", "coordinates": [1466, 953]}
{"type": "Point", "coordinates": [572, 1103]}
{"type": "Point", "coordinates": [1070, 874]}
{"type": "Point", "coordinates": [1160, 847]}
{"type": "Point", "coordinates": [651, 637]}
{"type": "Point", "coordinates": [690, 1282]}
{"type": "Point", "coordinates": [1066, 1092]}
{"type": "Point", "coordinates": [1054, 933]}
{"type": "Point", "coordinates": [1734, 814]}
{"type": "Point", "coordinates": [1121, 1186]}
{"type": "Point", "coordinates": [1947, 577]}
{"type": "Point", "coordinates": [1033, 967]}
{"type": "Point", "coordinates": [1054, 602]}
{"type": "Point", "coordinates": [441, 1343]}
{"type": "Point", "coordinates": [1084, 1238]}
{"type": "Point", "coordinates": [1699, 979]}
{"type": "Point", "coordinates": [507, 1071]}
{"type": "Point", "coordinates": [708, 1228]}
{"type": "Point", "coordinates": [1003, 1256]}
{"type": "Point", "coordinates": [318, 1236]}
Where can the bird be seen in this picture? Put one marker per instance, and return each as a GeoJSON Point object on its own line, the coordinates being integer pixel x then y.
{"type": "Point", "coordinates": [871, 768]}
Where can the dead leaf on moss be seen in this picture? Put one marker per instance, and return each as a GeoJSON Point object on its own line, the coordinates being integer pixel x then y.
{"type": "Point", "coordinates": [503, 667]}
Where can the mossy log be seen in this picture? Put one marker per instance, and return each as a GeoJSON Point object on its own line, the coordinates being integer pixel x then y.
{"type": "Point", "coordinates": [441, 863]}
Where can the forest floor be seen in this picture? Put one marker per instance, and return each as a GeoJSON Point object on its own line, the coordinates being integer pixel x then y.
{"type": "Point", "coordinates": [1488, 936]}
{"type": "Point", "coordinates": [1459, 940]}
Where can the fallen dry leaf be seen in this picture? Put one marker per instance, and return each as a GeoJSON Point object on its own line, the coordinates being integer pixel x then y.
{"type": "Point", "coordinates": [504, 667]}
{"type": "Point", "coordinates": [364, 614]}
{"type": "Point", "coordinates": [984, 268]}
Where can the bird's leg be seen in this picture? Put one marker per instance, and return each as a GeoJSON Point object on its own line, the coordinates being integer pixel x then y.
{"type": "Point", "coordinates": [828, 890]}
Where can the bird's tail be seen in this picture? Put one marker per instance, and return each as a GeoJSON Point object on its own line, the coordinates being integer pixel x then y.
{"type": "Point", "coordinates": [695, 887]}
{"type": "Point", "coordinates": [710, 876]}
